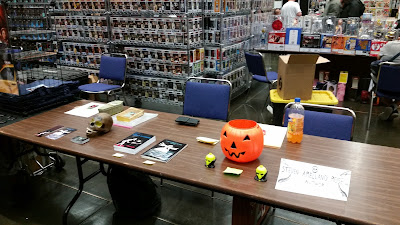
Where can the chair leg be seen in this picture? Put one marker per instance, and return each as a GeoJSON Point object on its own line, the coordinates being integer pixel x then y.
{"type": "Point", "coordinates": [124, 96]}
{"type": "Point", "coordinates": [267, 101]}
{"type": "Point", "coordinates": [370, 109]}
{"type": "Point", "coordinates": [248, 92]}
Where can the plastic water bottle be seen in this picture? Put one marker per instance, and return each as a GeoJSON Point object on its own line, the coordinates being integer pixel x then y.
{"type": "Point", "coordinates": [296, 122]}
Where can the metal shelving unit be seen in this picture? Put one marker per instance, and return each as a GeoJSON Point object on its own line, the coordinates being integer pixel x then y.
{"type": "Point", "coordinates": [153, 32]}
{"type": "Point", "coordinates": [164, 42]}
{"type": "Point", "coordinates": [227, 36]}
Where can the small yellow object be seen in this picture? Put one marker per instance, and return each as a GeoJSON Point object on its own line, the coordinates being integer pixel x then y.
{"type": "Point", "coordinates": [130, 114]}
{"type": "Point", "coordinates": [207, 140]}
{"type": "Point", "coordinates": [343, 76]}
{"type": "Point", "coordinates": [210, 160]}
{"type": "Point", "coordinates": [233, 171]}
{"type": "Point", "coordinates": [261, 173]}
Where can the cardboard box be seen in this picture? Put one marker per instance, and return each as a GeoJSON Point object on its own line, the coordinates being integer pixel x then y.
{"type": "Point", "coordinates": [296, 75]}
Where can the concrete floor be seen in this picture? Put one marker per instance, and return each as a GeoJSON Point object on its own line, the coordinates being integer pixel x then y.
{"type": "Point", "coordinates": [42, 199]}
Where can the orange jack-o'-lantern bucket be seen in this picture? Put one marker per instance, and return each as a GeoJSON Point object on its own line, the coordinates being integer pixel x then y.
{"type": "Point", "coordinates": [242, 140]}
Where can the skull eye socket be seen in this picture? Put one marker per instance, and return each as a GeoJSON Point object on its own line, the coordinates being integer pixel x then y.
{"type": "Point", "coordinates": [97, 124]}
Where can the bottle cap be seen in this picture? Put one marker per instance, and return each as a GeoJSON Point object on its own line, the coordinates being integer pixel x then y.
{"type": "Point", "coordinates": [297, 100]}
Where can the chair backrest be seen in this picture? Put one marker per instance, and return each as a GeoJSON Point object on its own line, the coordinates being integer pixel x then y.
{"type": "Point", "coordinates": [207, 100]}
{"type": "Point", "coordinates": [255, 63]}
{"type": "Point", "coordinates": [113, 68]}
{"type": "Point", "coordinates": [389, 79]}
{"type": "Point", "coordinates": [325, 124]}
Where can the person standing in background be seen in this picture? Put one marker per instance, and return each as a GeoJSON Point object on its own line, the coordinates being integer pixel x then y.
{"type": "Point", "coordinates": [351, 8]}
{"type": "Point", "coordinates": [290, 10]}
{"type": "Point", "coordinates": [333, 8]}
{"type": "Point", "coordinates": [277, 12]}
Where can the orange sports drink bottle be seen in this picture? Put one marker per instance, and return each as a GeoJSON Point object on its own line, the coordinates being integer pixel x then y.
{"type": "Point", "coordinates": [295, 122]}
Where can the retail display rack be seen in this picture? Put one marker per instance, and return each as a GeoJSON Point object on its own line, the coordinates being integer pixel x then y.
{"type": "Point", "coordinates": [229, 30]}
{"type": "Point", "coordinates": [165, 41]}
{"type": "Point", "coordinates": [29, 25]}
{"type": "Point", "coordinates": [33, 54]}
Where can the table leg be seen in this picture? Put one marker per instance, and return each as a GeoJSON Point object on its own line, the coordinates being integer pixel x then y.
{"type": "Point", "coordinates": [246, 212]}
{"type": "Point", "coordinates": [82, 180]}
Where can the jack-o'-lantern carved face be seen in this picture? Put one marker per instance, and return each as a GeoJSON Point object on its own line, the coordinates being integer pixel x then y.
{"type": "Point", "coordinates": [242, 140]}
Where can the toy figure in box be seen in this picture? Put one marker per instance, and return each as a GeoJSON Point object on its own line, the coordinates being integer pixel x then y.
{"type": "Point", "coordinates": [307, 24]}
{"type": "Point", "coordinates": [379, 29]}
{"type": "Point", "coordinates": [329, 24]}
{"type": "Point", "coordinates": [339, 27]}
{"type": "Point", "coordinates": [352, 26]}
{"type": "Point", "coordinates": [326, 41]}
{"type": "Point", "coordinates": [310, 41]}
{"type": "Point", "coordinates": [337, 44]}
{"type": "Point", "coordinates": [350, 43]}
{"type": "Point", "coordinates": [363, 46]}
{"type": "Point", "coordinates": [390, 35]}
{"type": "Point", "coordinates": [316, 27]}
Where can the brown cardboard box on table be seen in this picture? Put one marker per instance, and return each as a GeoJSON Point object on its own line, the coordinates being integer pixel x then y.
{"type": "Point", "coordinates": [296, 75]}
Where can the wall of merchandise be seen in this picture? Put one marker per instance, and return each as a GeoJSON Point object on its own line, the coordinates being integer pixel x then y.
{"type": "Point", "coordinates": [317, 34]}
{"type": "Point", "coordinates": [166, 41]}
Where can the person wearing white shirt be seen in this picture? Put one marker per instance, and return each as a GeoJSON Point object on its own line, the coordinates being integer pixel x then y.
{"type": "Point", "coordinates": [290, 10]}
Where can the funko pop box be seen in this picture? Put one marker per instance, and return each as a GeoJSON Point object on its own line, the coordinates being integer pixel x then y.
{"type": "Point", "coordinates": [296, 75]}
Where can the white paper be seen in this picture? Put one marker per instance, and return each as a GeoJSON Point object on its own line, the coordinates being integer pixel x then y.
{"type": "Point", "coordinates": [135, 122]}
{"type": "Point", "coordinates": [273, 135]}
{"type": "Point", "coordinates": [315, 180]}
{"type": "Point", "coordinates": [118, 155]}
{"type": "Point", "coordinates": [86, 110]}
{"type": "Point", "coordinates": [293, 37]}
{"type": "Point", "coordinates": [148, 162]}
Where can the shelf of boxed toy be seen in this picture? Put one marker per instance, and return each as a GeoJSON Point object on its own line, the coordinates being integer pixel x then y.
{"type": "Point", "coordinates": [83, 55]}
{"type": "Point", "coordinates": [150, 35]}
{"type": "Point", "coordinates": [156, 8]}
{"type": "Point", "coordinates": [80, 6]}
{"type": "Point", "coordinates": [154, 89]}
{"type": "Point", "coordinates": [328, 35]}
{"type": "Point", "coordinates": [160, 32]}
{"type": "Point", "coordinates": [29, 22]}
{"type": "Point", "coordinates": [228, 33]}
{"type": "Point", "coordinates": [226, 37]}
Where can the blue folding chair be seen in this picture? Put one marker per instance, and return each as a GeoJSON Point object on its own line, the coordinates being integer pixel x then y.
{"type": "Point", "coordinates": [324, 124]}
{"type": "Point", "coordinates": [387, 86]}
{"type": "Point", "coordinates": [256, 66]}
{"type": "Point", "coordinates": [207, 98]}
{"type": "Point", "coordinates": [111, 68]}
